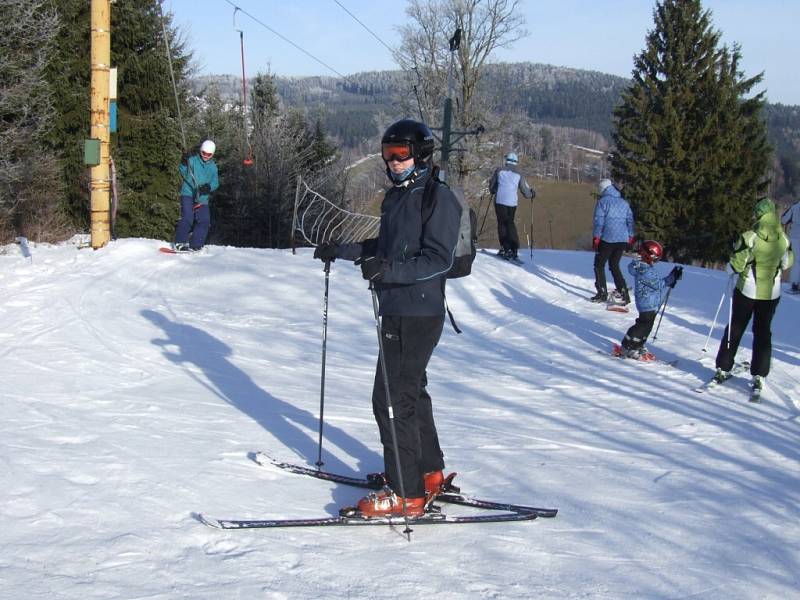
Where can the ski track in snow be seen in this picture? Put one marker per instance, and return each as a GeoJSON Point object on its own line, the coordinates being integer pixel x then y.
{"type": "Point", "coordinates": [137, 384]}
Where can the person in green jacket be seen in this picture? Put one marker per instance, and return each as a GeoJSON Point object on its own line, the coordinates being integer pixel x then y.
{"type": "Point", "coordinates": [759, 256]}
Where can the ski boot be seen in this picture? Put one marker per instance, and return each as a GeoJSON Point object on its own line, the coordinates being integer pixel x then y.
{"type": "Point", "coordinates": [634, 353]}
{"type": "Point", "coordinates": [386, 503]}
{"type": "Point", "coordinates": [721, 376]}
{"type": "Point", "coordinates": [600, 296]}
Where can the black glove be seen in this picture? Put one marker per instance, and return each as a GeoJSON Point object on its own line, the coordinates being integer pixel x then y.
{"type": "Point", "coordinates": [676, 273]}
{"type": "Point", "coordinates": [372, 268]}
{"type": "Point", "coordinates": [204, 189]}
{"type": "Point", "coordinates": [185, 158]}
{"type": "Point", "coordinates": [327, 251]}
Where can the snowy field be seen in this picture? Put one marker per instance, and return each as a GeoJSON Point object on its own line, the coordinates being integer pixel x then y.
{"type": "Point", "coordinates": [136, 384]}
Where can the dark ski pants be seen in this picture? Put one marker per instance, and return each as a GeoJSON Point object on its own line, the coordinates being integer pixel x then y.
{"type": "Point", "coordinates": [195, 218]}
{"type": "Point", "coordinates": [408, 344]}
{"type": "Point", "coordinates": [638, 333]}
{"type": "Point", "coordinates": [506, 228]}
{"type": "Point", "coordinates": [611, 253]}
{"type": "Point", "coordinates": [762, 312]}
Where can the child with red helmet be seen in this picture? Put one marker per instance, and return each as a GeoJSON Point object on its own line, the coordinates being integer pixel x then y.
{"type": "Point", "coordinates": [649, 291]}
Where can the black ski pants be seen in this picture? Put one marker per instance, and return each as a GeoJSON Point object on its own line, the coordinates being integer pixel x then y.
{"type": "Point", "coordinates": [762, 312]}
{"type": "Point", "coordinates": [611, 253]}
{"type": "Point", "coordinates": [638, 333]}
{"type": "Point", "coordinates": [408, 344]}
{"type": "Point", "coordinates": [506, 228]}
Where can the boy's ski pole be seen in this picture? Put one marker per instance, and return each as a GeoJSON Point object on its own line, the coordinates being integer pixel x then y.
{"type": "Point", "coordinates": [663, 309]}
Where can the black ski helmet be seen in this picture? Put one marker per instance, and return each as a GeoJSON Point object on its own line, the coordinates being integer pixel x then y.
{"type": "Point", "coordinates": [416, 134]}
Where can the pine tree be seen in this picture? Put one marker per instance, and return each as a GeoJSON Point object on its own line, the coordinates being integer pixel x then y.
{"type": "Point", "coordinates": [691, 147]}
{"type": "Point", "coordinates": [147, 146]}
{"type": "Point", "coordinates": [28, 172]}
{"type": "Point", "coordinates": [148, 143]}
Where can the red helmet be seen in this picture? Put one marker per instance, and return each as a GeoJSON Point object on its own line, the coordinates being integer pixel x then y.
{"type": "Point", "coordinates": [651, 251]}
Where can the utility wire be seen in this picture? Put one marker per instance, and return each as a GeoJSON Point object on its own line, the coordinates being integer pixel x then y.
{"type": "Point", "coordinates": [285, 39]}
{"type": "Point", "coordinates": [372, 33]}
{"type": "Point", "coordinates": [307, 53]}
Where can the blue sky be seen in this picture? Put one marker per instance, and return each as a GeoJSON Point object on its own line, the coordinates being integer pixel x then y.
{"type": "Point", "coordinates": [601, 35]}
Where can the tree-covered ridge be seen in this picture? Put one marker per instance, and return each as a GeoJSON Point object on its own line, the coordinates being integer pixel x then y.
{"type": "Point", "coordinates": [547, 94]}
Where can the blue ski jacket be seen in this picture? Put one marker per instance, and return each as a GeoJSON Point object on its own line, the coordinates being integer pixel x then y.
{"type": "Point", "coordinates": [649, 287]}
{"type": "Point", "coordinates": [613, 218]}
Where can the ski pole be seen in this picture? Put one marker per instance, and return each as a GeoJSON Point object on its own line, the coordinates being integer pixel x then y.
{"type": "Point", "coordinates": [716, 314]}
{"type": "Point", "coordinates": [389, 407]}
{"type": "Point", "coordinates": [319, 462]}
{"type": "Point", "coordinates": [663, 310]}
{"type": "Point", "coordinates": [730, 318]}
{"type": "Point", "coordinates": [531, 240]}
{"type": "Point", "coordinates": [485, 214]}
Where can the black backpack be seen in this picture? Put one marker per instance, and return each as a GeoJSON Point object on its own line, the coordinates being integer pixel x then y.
{"type": "Point", "coordinates": [468, 231]}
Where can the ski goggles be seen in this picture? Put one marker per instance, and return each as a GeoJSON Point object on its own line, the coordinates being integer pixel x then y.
{"type": "Point", "coordinates": [395, 151]}
{"type": "Point", "coordinates": [206, 155]}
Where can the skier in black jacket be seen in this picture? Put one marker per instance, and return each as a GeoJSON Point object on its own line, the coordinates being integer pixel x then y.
{"type": "Point", "coordinates": [407, 263]}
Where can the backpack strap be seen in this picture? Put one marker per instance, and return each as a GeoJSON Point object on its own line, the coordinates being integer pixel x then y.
{"type": "Point", "coordinates": [427, 211]}
{"type": "Point", "coordinates": [428, 194]}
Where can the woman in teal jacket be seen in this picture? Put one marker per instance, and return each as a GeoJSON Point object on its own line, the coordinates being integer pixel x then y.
{"type": "Point", "coordinates": [759, 256]}
{"type": "Point", "coordinates": [198, 180]}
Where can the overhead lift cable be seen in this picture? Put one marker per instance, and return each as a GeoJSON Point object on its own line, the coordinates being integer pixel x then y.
{"type": "Point", "coordinates": [247, 151]}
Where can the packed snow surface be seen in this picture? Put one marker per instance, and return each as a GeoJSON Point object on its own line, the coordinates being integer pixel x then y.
{"type": "Point", "coordinates": [137, 385]}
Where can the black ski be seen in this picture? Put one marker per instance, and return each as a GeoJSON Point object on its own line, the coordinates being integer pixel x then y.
{"type": "Point", "coordinates": [514, 261]}
{"type": "Point", "coordinates": [451, 496]}
{"type": "Point", "coordinates": [429, 518]}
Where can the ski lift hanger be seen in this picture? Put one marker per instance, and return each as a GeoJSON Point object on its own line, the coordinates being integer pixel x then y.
{"type": "Point", "coordinates": [247, 151]}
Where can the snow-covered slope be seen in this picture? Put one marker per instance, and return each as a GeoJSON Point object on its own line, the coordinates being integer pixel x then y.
{"type": "Point", "coordinates": [135, 384]}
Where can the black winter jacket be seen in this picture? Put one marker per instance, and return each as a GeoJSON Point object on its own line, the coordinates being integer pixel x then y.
{"type": "Point", "coordinates": [419, 254]}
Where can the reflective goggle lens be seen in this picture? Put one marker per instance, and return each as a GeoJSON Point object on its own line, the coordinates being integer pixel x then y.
{"type": "Point", "coordinates": [399, 152]}
{"type": "Point", "coordinates": [206, 155]}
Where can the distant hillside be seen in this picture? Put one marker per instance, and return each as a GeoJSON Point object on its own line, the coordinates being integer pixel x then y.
{"type": "Point", "coordinates": [354, 109]}
{"type": "Point", "coordinates": [548, 95]}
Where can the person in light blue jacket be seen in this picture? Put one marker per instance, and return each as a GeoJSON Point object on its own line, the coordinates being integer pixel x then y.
{"type": "Point", "coordinates": [649, 290]}
{"type": "Point", "coordinates": [506, 181]}
{"type": "Point", "coordinates": [611, 235]}
{"type": "Point", "coordinates": [199, 179]}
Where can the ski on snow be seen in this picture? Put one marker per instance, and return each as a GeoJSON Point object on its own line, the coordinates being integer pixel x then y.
{"type": "Point", "coordinates": [168, 250]}
{"type": "Point", "coordinates": [755, 395]}
{"type": "Point", "coordinates": [648, 357]}
{"type": "Point", "coordinates": [376, 482]}
{"type": "Point", "coordinates": [712, 383]}
{"type": "Point", "coordinates": [514, 261]}
{"type": "Point", "coordinates": [504, 512]}
{"type": "Point", "coordinates": [429, 518]}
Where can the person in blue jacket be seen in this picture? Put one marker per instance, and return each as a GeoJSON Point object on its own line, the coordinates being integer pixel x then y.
{"type": "Point", "coordinates": [611, 235]}
{"type": "Point", "coordinates": [407, 264]}
{"type": "Point", "coordinates": [199, 179]}
{"type": "Point", "coordinates": [649, 290]}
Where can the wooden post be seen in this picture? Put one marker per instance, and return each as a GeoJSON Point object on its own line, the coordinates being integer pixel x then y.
{"type": "Point", "coordinates": [100, 180]}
